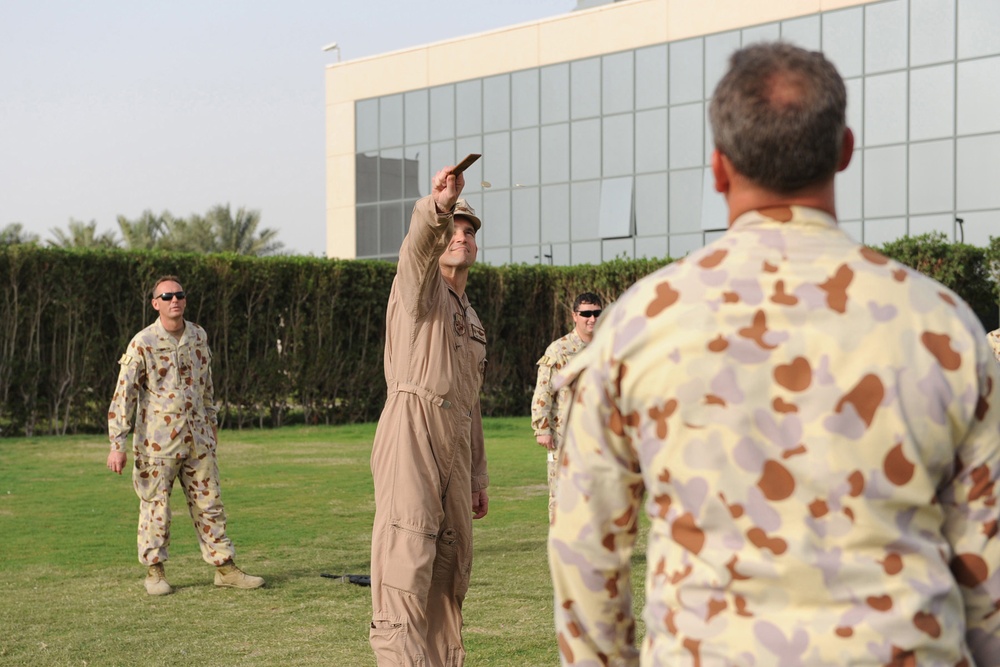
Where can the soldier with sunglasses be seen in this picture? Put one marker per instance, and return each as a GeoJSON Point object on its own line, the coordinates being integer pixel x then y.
{"type": "Point", "coordinates": [165, 379]}
{"type": "Point", "coordinates": [548, 405]}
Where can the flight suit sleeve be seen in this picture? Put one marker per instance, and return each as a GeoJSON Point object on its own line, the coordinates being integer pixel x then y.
{"type": "Point", "coordinates": [593, 532]}
{"type": "Point", "coordinates": [417, 271]}
{"type": "Point", "coordinates": [121, 412]}
{"type": "Point", "coordinates": [480, 476]}
{"type": "Point", "coordinates": [543, 400]}
{"type": "Point", "coordinates": [972, 513]}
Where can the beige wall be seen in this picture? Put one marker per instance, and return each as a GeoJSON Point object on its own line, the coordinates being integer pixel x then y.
{"type": "Point", "coordinates": [581, 34]}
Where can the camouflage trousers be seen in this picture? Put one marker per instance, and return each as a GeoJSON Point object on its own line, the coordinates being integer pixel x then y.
{"type": "Point", "coordinates": [153, 480]}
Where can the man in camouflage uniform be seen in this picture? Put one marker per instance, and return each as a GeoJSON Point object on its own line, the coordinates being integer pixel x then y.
{"type": "Point", "coordinates": [816, 428]}
{"type": "Point", "coordinates": [548, 405]}
{"type": "Point", "coordinates": [166, 376]}
{"type": "Point", "coordinates": [428, 460]}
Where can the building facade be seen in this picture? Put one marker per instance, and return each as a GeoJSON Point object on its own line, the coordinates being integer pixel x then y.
{"type": "Point", "coordinates": [594, 132]}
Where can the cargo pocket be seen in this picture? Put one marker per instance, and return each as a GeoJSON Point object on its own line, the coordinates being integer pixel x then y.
{"type": "Point", "coordinates": [409, 561]}
{"type": "Point", "coordinates": [456, 656]}
{"type": "Point", "coordinates": [149, 479]}
{"type": "Point", "coordinates": [388, 642]}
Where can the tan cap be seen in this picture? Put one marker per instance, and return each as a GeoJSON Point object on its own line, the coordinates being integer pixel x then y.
{"type": "Point", "coordinates": [462, 208]}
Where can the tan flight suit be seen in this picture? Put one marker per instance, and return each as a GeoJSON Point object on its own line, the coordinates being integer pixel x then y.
{"type": "Point", "coordinates": [427, 458]}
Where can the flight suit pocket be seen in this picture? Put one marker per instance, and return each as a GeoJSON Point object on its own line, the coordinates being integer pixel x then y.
{"type": "Point", "coordinates": [410, 559]}
{"type": "Point", "coordinates": [388, 640]}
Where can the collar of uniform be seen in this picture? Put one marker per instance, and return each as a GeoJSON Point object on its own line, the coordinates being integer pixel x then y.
{"type": "Point", "coordinates": [166, 335]}
{"type": "Point", "coordinates": [800, 215]}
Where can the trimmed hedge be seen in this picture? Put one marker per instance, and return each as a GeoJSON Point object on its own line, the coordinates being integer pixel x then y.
{"type": "Point", "coordinates": [304, 335]}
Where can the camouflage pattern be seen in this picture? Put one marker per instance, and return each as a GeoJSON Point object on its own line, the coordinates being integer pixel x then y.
{"type": "Point", "coordinates": [994, 338]}
{"type": "Point", "coordinates": [813, 431]}
{"type": "Point", "coordinates": [548, 405]}
{"type": "Point", "coordinates": [167, 384]}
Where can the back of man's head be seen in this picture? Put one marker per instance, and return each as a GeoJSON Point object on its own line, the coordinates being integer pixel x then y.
{"type": "Point", "coordinates": [779, 115]}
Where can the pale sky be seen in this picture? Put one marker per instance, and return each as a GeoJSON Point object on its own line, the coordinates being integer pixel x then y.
{"type": "Point", "coordinates": [112, 107]}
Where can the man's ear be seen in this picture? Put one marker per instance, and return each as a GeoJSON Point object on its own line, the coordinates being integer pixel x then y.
{"type": "Point", "coordinates": [720, 171]}
{"type": "Point", "coordinates": [846, 149]}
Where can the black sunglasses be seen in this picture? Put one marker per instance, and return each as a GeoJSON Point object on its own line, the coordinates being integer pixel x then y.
{"type": "Point", "coordinates": [589, 313]}
{"type": "Point", "coordinates": [169, 296]}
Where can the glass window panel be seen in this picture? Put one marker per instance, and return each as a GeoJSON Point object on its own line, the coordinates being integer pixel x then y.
{"type": "Point", "coordinates": [802, 32]}
{"type": "Point", "coordinates": [718, 49]}
{"type": "Point", "coordinates": [979, 96]}
{"type": "Point", "coordinates": [366, 177]}
{"type": "Point", "coordinates": [585, 202]}
{"type": "Point", "coordinates": [651, 140]}
{"type": "Point", "coordinates": [524, 220]}
{"type": "Point", "coordinates": [524, 98]}
{"type": "Point", "coordinates": [769, 32]}
{"type": "Point", "coordinates": [617, 83]}
{"type": "Point", "coordinates": [685, 201]}
{"type": "Point", "coordinates": [474, 174]}
{"type": "Point", "coordinates": [977, 172]}
{"type": "Point", "coordinates": [555, 153]}
{"type": "Point", "coordinates": [366, 236]}
{"type": "Point", "coordinates": [932, 177]}
{"type": "Point", "coordinates": [587, 252]}
{"type": "Point", "coordinates": [854, 229]}
{"type": "Point", "coordinates": [847, 189]}
{"type": "Point", "coordinates": [855, 108]}
{"type": "Point", "coordinates": [417, 120]}
{"type": "Point", "coordinates": [496, 209]}
{"type": "Point", "coordinates": [712, 237]}
{"type": "Point", "coordinates": [469, 107]}
{"type": "Point", "coordinates": [390, 174]}
{"type": "Point", "coordinates": [651, 73]}
{"type": "Point", "coordinates": [977, 28]}
{"type": "Point", "coordinates": [555, 213]}
{"type": "Point", "coordinates": [617, 249]}
{"type": "Point", "coordinates": [524, 156]}
{"type": "Point", "coordinates": [651, 247]}
{"type": "Point", "coordinates": [932, 102]}
{"type": "Point", "coordinates": [416, 171]}
{"type": "Point", "coordinates": [932, 32]}
{"type": "Point", "coordinates": [496, 103]}
{"type": "Point", "coordinates": [928, 224]}
{"type": "Point", "coordinates": [585, 88]}
{"type": "Point", "coordinates": [885, 182]}
{"type": "Point", "coordinates": [615, 212]}
{"type": "Point", "coordinates": [714, 211]}
{"type": "Point", "coordinates": [558, 254]}
{"type": "Point", "coordinates": [442, 113]}
{"type": "Point", "coordinates": [885, 109]}
{"type": "Point", "coordinates": [843, 41]}
{"type": "Point", "coordinates": [442, 155]}
{"type": "Point", "coordinates": [497, 256]}
{"type": "Point", "coordinates": [390, 121]}
{"type": "Point", "coordinates": [681, 245]}
{"type": "Point", "coordinates": [879, 232]}
{"type": "Point", "coordinates": [617, 141]}
{"type": "Point", "coordinates": [886, 46]}
{"type": "Point", "coordinates": [686, 142]}
{"type": "Point", "coordinates": [525, 255]}
{"type": "Point", "coordinates": [555, 93]}
{"type": "Point", "coordinates": [390, 228]}
{"type": "Point", "coordinates": [585, 151]}
{"type": "Point", "coordinates": [686, 71]}
{"type": "Point", "coordinates": [979, 226]}
{"type": "Point", "coordinates": [496, 159]}
{"type": "Point", "coordinates": [366, 125]}
{"type": "Point", "coordinates": [651, 204]}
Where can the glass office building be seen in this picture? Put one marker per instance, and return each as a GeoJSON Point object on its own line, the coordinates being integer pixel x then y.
{"type": "Point", "coordinates": [604, 155]}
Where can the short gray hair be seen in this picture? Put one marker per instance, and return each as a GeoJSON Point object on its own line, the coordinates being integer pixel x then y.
{"type": "Point", "coordinates": [779, 115]}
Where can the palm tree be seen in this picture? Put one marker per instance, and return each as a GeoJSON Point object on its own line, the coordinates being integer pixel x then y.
{"type": "Point", "coordinates": [145, 232]}
{"type": "Point", "coordinates": [14, 234]}
{"type": "Point", "coordinates": [192, 234]}
{"type": "Point", "coordinates": [239, 235]}
{"type": "Point", "coordinates": [83, 235]}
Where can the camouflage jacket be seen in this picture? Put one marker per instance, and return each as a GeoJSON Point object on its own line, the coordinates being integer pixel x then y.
{"type": "Point", "coordinates": [994, 338]}
{"type": "Point", "coordinates": [815, 430]}
{"type": "Point", "coordinates": [548, 405]}
{"type": "Point", "coordinates": [164, 385]}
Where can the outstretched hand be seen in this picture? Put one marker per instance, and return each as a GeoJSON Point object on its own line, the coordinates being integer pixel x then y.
{"type": "Point", "coordinates": [445, 188]}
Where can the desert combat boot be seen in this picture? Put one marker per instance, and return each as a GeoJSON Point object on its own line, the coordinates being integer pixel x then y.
{"type": "Point", "coordinates": [156, 581]}
{"type": "Point", "coordinates": [228, 575]}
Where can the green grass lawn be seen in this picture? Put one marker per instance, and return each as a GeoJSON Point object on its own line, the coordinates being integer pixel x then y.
{"type": "Point", "coordinates": [300, 504]}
